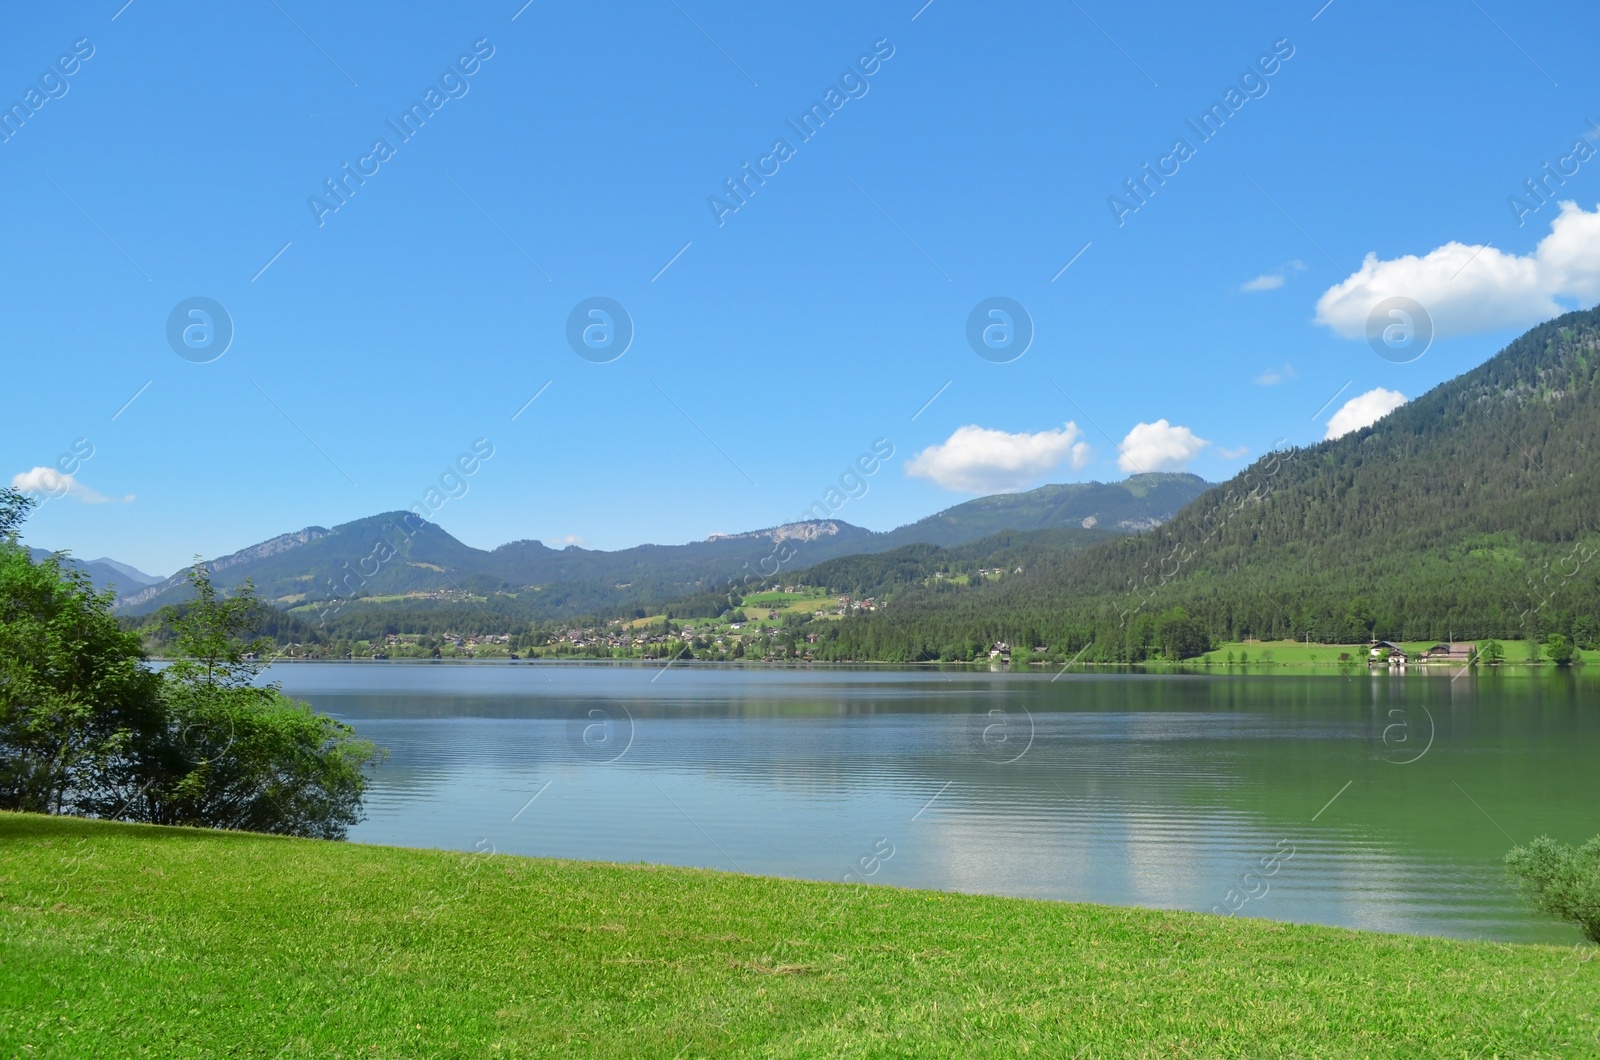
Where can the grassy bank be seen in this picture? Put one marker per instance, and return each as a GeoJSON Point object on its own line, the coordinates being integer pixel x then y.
{"type": "Point", "coordinates": [118, 940]}
{"type": "Point", "coordinates": [1268, 655]}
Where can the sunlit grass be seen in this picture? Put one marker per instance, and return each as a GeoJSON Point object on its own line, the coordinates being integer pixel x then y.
{"type": "Point", "coordinates": [118, 940]}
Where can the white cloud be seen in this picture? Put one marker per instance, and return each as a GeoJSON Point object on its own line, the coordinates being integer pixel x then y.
{"type": "Point", "coordinates": [52, 483]}
{"type": "Point", "coordinates": [1271, 281]}
{"type": "Point", "coordinates": [980, 460]}
{"type": "Point", "coordinates": [567, 540]}
{"type": "Point", "coordinates": [1468, 289]}
{"type": "Point", "coordinates": [1274, 376]}
{"type": "Point", "coordinates": [1363, 410]}
{"type": "Point", "coordinates": [1232, 454]}
{"type": "Point", "coordinates": [1159, 446]}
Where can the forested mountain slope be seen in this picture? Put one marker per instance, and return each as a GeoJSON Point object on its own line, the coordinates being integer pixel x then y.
{"type": "Point", "coordinates": [1471, 511]}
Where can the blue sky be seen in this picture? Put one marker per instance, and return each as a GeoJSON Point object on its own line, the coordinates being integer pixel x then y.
{"type": "Point", "coordinates": [582, 156]}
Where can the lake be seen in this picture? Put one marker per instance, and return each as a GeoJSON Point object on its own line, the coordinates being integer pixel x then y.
{"type": "Point", "coordinates": [1382, 802]}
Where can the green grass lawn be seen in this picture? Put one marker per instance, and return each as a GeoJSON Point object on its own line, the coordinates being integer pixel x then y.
{"type": "Point", "coordinates": [1297, 654]}
{"type": "Point", "coordinates": [789, 603]}
{"type": "Point", "coordinates": [118, 940]}
{"type": "Point", "coordinates": [775, 598]}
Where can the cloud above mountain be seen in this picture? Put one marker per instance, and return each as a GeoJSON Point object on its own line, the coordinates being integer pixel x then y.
{"type": "Point", "coordinates": [50, 483]}
{"type": "Point", "coordinates": [1158, 446]}
{"type": "Point", "coordinates": [983, 460]}
{"type": "Point", "coordinates": [1475, 288]}
{"type": "Point", "coordinates": [1363, 410]}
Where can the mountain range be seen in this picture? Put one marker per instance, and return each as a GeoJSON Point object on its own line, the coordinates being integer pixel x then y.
{"type": "Point", "coordinates": [106, 573]}
{"type": "Point", "coordinates": [399, 560]}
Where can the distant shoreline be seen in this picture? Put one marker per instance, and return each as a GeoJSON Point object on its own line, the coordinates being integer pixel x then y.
{"type": "Point", "coordinates": [1188, 667]}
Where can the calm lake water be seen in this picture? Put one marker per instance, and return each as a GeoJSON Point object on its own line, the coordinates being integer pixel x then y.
{"type": "Point", "coordinates": [1382, 802]}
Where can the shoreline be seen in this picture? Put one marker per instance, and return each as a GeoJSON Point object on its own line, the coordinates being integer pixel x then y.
{"type": "Point", "coordinates": [1189, 667]}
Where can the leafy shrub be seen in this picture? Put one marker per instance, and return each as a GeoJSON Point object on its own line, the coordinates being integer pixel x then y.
{"type": "Point", "coordinates": [239, 754]}
{"type": "Point", "coordinates": [1560, 880]}
{"type": "Point", "coordinates": [1559, 649]}
{"type": "Point", "coordinates": [257, 761]}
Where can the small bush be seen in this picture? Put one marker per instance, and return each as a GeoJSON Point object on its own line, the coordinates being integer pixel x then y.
{"type": "Point", "coordinates": [1559, 649]}
{"type": "Point", "coordinates": [1560, 880]}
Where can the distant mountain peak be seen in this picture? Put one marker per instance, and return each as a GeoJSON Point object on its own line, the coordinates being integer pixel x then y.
{"type": "Point", "coordinates": [812, 530]}
{"type": "Point", "coordinates": [270, 547]}
{"type": "Point", "coordinates": [133, 574]}
{"type": "Point", "coordinates": [527, 544]}
{"type": "Point", "coordinates": [1134, 504]}
{"type": "Point", "coordinates": [1147, 479]}
{"type": "Point", "coordinates": [104, 573]}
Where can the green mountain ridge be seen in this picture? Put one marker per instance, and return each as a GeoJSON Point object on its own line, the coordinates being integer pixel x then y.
{"type": "Point", "coordinates": [1468, 512]}
{"type": "Point", "coordinates": [1136, 503]}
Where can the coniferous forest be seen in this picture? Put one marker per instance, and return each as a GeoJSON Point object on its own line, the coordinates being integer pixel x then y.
{"type": "Point", "coordinates": [1470, 512]}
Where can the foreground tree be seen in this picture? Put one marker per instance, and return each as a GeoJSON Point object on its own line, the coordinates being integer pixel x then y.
{"type": "Point", "coordinates": [14, 509]}
{"type": "Point", "coordinates": [75, 697]}
{"type": "Point", "coordinates": [1560, 880]}
{"type": "Point", "coordinates": [237, 753]}
{"type": "Point", "coordinates": [86, 727]}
